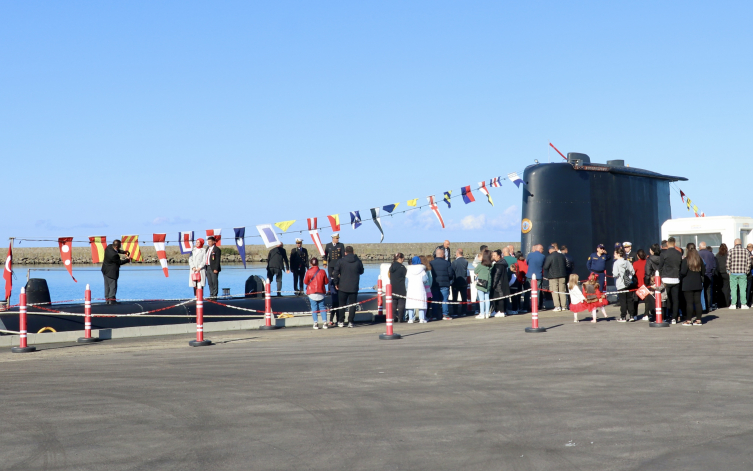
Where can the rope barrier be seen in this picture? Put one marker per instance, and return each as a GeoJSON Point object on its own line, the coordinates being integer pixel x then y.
{"type": "Point", "coordinates": [462, 302]}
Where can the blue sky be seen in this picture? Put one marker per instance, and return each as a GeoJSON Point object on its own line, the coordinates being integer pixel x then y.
{"type": "Point", "coordinates": [142, 117]}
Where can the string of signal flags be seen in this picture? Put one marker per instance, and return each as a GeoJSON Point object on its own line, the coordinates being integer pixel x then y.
{"type": "Point", "coordinates": [267, 232]}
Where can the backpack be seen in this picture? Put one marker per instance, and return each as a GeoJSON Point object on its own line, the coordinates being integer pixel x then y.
{"type": "Point", "coordinates": [627, 276]}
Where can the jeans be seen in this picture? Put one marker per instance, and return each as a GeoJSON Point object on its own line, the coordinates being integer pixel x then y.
{"type": "Point", "coordinates": [440, 294]}
{"type": "Point", "coordinates": [320, 308]}
{"type": "Point", "coordinates": [421, 314]}
{"type": "Point", "coordinates": [738, 280]}
{"type": "Point", "coordinates": [483, 302]}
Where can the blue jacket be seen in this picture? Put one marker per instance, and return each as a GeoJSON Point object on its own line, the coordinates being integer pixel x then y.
{"type": "Point", "coordinates": [597, 263]}
{"type": "Point", "coordinates": [442, 273]}
{"type": "Point", "coordinates": [535, 263]}
{"type": "Point", "coordinates": [710, 261]}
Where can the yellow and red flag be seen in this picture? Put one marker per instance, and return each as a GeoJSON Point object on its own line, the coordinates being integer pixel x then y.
{"type": "Point", "coordinates": [98, 244]}
{"type": "Point", "coordinates": [131, 244]}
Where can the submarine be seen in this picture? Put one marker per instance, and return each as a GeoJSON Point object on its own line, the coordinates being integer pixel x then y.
{"type": "Point", "coordinates": [582, 204]}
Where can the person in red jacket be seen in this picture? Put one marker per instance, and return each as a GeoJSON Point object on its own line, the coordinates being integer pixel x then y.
{"type": "Point", "coordinates": [316, 282]}
{"type": "Point", "coordinates": [640, 274]}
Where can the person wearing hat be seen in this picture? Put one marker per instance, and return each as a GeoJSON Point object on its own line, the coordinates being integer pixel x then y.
{"type": "Point", "coordinates": [597, 263]}
{"type": "Point", "coordinates": [333, 252]}
{"type": "Point", "coordinates": [299, 262]}
{"type": "Point", "coordinates": [629, 254]}
{"type": "Point", "coordinates": [277, 261]}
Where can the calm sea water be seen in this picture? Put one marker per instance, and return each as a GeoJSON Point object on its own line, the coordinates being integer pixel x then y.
{"type": "Point", "coordinates": [139, 282]}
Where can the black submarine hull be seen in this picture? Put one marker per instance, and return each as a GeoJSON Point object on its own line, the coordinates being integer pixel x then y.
{"type": "Point", "coordinates": [106, 316]}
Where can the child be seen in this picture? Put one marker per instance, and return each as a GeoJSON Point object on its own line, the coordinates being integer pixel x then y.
{"type": "Point", "coordinates": [594, 298]}
{"type": "Point", "coordinates": [577, 300]}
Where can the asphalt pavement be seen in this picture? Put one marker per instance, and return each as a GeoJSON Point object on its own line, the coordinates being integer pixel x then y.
{"type": "Point", "coordinates": [465, 394]}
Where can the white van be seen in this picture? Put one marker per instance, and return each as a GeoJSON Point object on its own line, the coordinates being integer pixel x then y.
{"type": "Point", "coordinates": [713, 230]}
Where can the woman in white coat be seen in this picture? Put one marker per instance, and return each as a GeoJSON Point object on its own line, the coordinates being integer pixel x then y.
{"type": "Point", "coordinates": [197, 262]}
{"type": "Point", "coordinates": [417, 290]}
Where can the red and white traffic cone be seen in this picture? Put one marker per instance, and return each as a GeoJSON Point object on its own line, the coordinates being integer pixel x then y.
{"type": "Point", "coordinates": [390, 335]}
{"type": "Point", "coordinates": [268, 316]}
{"type": "Point", "coordinates": [22, 345]}
{"type": "Point", "coordinates": [87, 338]}
{"type": "Point", "coordinates": [199, 342]}
{"type": "Point", "coordinates": [657, 297]}
{"type": "Point", "coordinates": [380, 293]}
{"type": "Point", "coordinates": [535, 308]}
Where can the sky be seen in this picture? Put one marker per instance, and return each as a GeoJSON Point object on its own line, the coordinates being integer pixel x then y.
{"type": "Point", "coordinates": [148, 117]}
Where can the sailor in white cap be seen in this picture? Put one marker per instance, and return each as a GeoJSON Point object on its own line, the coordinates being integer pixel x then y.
{"type": "Point", "coordinates": [299, 263]}
{"type": "Point", "coordinates": [333, 252]}
{"type": "Point", "coordinates": [629, 254]}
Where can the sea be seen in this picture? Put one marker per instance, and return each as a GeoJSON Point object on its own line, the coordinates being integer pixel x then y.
{"type": "Point", "coordinates": [149, 282]}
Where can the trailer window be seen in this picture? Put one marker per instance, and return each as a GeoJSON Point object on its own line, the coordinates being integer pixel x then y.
{"type": "Point", "coordinates": [713, 240]}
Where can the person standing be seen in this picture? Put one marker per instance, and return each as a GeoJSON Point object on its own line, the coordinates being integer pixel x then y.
{"type": "Point", "coordinates": [442, 277]}
{"type": "Point", "coordinates": [316, 282]}
{"type": "Point", "coordinates": [333, 252]}
{"type": "Point", "coordinates": [460, 284]}
{"type": "Point", "coordinates": [446, 252]}
{"type": "Point", "coordinates": [212, 267]}
{"type": "Point", "coordinates": [570, 267]}
{"type": "Point", "coordinates": [556, 266]}
{"type": "Point", "coordinates": [624, 273]}
{"type": "Point", "coordinates": [669, 268]}
{"type": "Point", "coordinates": [721, 278]}
{"type": "Point", "coordinates": [500, 285]}
{"type": "Point", "coordinates": [692, 272]}
{"type": "Point", "coordinates": [418, 290]}
{"type": "Point", "coordinates": [521, 277]}
{"type": "Point", "coordinates": [277, 262]}
{"type": "Point", "coordinates": [597, 263]}
{"type": "Point", "coordinates": [299, 262]}
{"type": "Point", "coordinates": [197, 264]}
{"type": "Point", "coordinates": [347, 275]}
{"type": "Point", "coordinates": [397, 273]}
{"type": "Point", "coordinates": [630, 256]}
{"type": "Point", "coordinates": [535, 261]}
{"type": "Point", "coordinates": [484, 283]}
{"type": "Point", "coordinates": [111, 263]}
{"type": "Point", "coordinates": [640, 279]}
{"type": "Point", "coordinates": [653, 263]}
{"type": "Point", "coordinates": [738, 267]}
{"type": "Point", "coordinates": [749, 278]}
{"type": "Point", "coordinates": [509, 255]}
{"type": "Point", "coordinates": [708, 276]}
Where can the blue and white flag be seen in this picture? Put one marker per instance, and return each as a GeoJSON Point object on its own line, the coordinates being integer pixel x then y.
{"type": "Point", "coordinates": [185, 241]}
{"type": "Point", "coordinates": [355, 219]}
{"type": "Point", "coordinates": [240, 242]}
{"type": "Point", "coordinates": [513, 177]}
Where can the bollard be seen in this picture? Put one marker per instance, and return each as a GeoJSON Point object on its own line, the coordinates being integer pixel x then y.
{"type": "Point", "coordinates": [268, 308]}
{"type": "Point", "coordinates": [469, 306]}
{"type": "Point", "coordinates": [390, 335]}
{"type": "Point", "coordinates": [380, 293]}
{"type": "Point", "coordinates": [657, 297]}
{"type": "Point", "coordinates": [22, 346]}
{"type": "Point", "coordinates": [87, 338]}
{"type": "Point", "coordinates": [535, 308]}
{"type": "Point", "coordinates": [199, 342]}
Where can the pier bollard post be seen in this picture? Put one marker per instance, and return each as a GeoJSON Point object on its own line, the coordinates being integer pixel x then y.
{"type": "Point", "coordinates": [390, 335]}
{"type": "Point", "coordinates": [535, 308]}
{"type": "Point", "coordinates": [380, 293]}
{"type": "Point", "coordinates": [87, 338]}
{"type": "Point", "coordinates": [200, 342]}
{"type": "Point", "coordinates": [657, 297]}
{"type": "Point", "coordinates": [23, 347]}
{"type": "Point", "coordinates": [268, 307]}
{"type": "Point", "coordinates": [469, 306]}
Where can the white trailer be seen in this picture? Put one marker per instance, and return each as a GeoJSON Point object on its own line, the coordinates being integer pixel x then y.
{"type": "Point", "coordinates": [714, 230]}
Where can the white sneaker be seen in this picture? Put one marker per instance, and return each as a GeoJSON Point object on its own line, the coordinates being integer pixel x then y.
{"type": "Point", "coordinates": [316, 326]}
{"type": "Point", "coordinates": [733, 307]}
{"type": "Point", "coordinates": [351, 325]}
{"type": "Point", "coordinates": [480, 316]}
{"type": "Point", "coordinates": [557, 309]}
{"type": "Point", "coordinates": [645, 318]}
{"type": "Point", "coordinates": [674, 322]}
{"type": "Point", "coordinates": [410, 321]}
{"type": "Point", "coordinates": [324, 326]}
{"type": "Point", "coordinates": [501, 314]}
{"type": "Point", "coordinates": [423, 322]}
{"type": "Point", "coordinates": [340, 324]}
{"type": "Point", "coordinates": [744, 306]}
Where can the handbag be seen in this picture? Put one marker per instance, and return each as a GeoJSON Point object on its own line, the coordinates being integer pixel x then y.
{"type": "Point", "coordinates": [196, 276]}
{"type": "Point", "coordinates": [482, 283]}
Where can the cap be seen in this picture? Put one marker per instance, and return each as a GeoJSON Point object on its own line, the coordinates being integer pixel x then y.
{"type": "Point", "coordinates": [298, 240]}
{"type": "Point", "coordinates": [627, 244]}
{"type": "Point", "coordinates": [336, 234]}
{"type": "Point", "coordinates": [600, 246]}
{"type": "Point", "coordinates": [551, 247]}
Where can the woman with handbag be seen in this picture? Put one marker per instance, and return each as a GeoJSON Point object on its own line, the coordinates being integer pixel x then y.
{"type": "Point", "coordinates": [197, 264]}
{"type": "Point", "coordinates": [484, 283]}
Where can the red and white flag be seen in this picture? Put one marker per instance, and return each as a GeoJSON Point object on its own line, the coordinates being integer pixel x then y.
{"type": "Point", "coordinates": [159, 247]}
{"type": "Point", "coordinates": [312, 223]}
{"type": "Point", "coordinates": [8, 272]}
{"type": "Point", "coordinates": [314, 233]}
{"type": "Point", "coordinates": [682, 196]}
{"type": "Point", "coordinates": [216, 234]}
{"type": "Point", "coordinates": [66, 254]}
{"type": "Point", "coordinates": [435, 208]}
{"type": "Point", "coordinates": [495, 182]}
{"type": "Point", "coordinates": [483, 189]}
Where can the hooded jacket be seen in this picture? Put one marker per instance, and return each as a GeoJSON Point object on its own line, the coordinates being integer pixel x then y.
{"type": "Point", "coordinates": [669, 263]}
{"type": "Point", "coordinates": [397, 278]}
{"type": "Point", "coordinates": [417, 287]}
{"type": "Point", "coordinates": [347, 273]}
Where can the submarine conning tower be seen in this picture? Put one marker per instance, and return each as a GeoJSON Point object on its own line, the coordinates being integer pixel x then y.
{"type": "Point", "coordinates": [582, 204]}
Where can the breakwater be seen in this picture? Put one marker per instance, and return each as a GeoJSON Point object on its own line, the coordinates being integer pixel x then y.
{"type": "Point", "coordinates": [254, 253]}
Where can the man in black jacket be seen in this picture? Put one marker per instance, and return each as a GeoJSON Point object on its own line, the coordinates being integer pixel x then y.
{"type": "Point", "coordinates": [277, 261]}
{"type": "Point", "coordinates": [445, 248]}
{"type": "Point", "coordinates": [347, 276]}
{"type": "Point", "coordinates": [213, 267]}
{"type": "Point", "coordinates": [460, 284]}
{"type": "Point", "coordinates": [442, 278]}
{"type": "Point", "coordinates": [111, 263]}
{"type": "Point", "coordinates": [299, 263]}
{"type": "Point", "coordinates": [555, 266]}
{"type": "Point", "coordinates": [669, 269]}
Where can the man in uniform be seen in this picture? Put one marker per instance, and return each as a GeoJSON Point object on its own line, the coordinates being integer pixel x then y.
{"type": "Point", "coordinates": [299, 262]}
{"type": "Point", "coordinates": [333, 252]}
{"type": "Point", "coordinates": [597, 263]}
{"type": "Point", "coordinates": [629, 254]}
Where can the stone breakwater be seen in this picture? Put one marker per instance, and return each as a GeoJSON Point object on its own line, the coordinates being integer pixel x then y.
{"type": "Point", "coordinates": [254, 253]}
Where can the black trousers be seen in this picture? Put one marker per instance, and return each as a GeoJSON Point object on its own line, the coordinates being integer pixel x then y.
{"type": "Point", "coordinates": [399, 306]}
{"type": "Point", "coordinates": [213, 282]}
{"type": "Point", "coordinates": [749, 289]}
{"type": "Point", "coordinates": [693, 308]}
{"type": "Point", "coordinates": [708, 291]}
{"type": "Point", "coordinates": [723, 299]}
{"type": "Point", "coordinates": [673, 300]}
{"type": "Point", "coordinates": [345, 299]}
{"type": "Point", "coordinates": [335, 302]}
{"type": "Point", "coordinates": [459, 291]}
{"type": "Point", "coordinates": [111, 288]}
{"type": "Point", "coordinates": [272, 272]}
{"type": "Point", "coordinates": [627, 305]}
{"type": "Point", "coordinates": [298, 276]}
